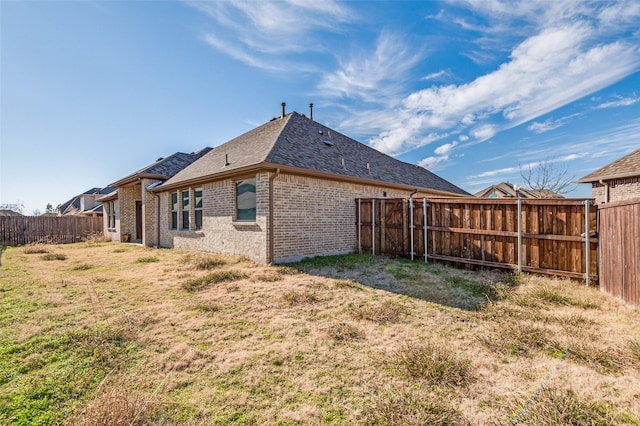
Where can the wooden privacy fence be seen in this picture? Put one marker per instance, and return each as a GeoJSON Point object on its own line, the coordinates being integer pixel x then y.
{"type": "Point", "coordinates": [541, 236]}
{"type": "Point", "coordinates": [619, 249]}
{"type": "Point", "coordinates": [21, 230]}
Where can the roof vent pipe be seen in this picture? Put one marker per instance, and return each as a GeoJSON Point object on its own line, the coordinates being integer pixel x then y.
{"type": "Point", "coordinates": [284, 104]}
{"type": "Point", "coordinates": [311, 111]}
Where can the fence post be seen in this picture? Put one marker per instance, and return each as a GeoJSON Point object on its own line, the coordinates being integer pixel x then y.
{"type": "Point", "coordinates": [519, 234]}
{"type": "Point", "coordinates": [587, 244]}
{"type": "Point", "coordinates": [424, 210]}
{"type": "Point", "coordinates": [360, 225]}
{"type": "Point", "coordinates": [411, 225]}
{"type": "Point", "coordinates": [373, 226]}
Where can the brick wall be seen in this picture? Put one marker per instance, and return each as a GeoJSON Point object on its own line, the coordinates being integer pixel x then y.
{"type": "Point", "coordinates": [311, 217]}
{"type": "Point", "coordinates": [619, 189]}
{"type": "Point", "coordinates": [149, 214]}
{"type": "Point", "coordinates": [317, 216]}
{"type": "Point", "coordinates": [220, 233]}
{"type": "Point", "coordinates": [127, 197]}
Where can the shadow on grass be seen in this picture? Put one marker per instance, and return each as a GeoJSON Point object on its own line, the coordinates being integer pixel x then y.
{"type": "Point", "coordinates": [431, 282]}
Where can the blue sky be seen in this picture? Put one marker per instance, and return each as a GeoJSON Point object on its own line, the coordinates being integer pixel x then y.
{"type": "Point", "coordinates": [472, 90]}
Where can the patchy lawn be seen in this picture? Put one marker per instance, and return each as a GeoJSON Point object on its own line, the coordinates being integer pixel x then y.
{"type": "Point", "coordinates": [119, 334]}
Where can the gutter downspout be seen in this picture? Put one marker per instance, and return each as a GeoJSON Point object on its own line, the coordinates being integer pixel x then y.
{"type": "Point", "coordinates": [270, 258]}
{"type": "Point", "coordinates": [606, 190]}
{"type": "Point", "coordinates": [157, 220]}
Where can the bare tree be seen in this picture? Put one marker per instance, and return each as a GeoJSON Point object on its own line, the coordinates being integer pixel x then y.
{"type": "Point", "coordinates": [16, 207]}
{"type": "Point", "coordinates": [547, 175]}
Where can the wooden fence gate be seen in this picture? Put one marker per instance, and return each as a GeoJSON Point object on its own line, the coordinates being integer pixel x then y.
{"type": "Point", "coordinates": [531, 235]}
{"type": "Point", "coordinates": [619, 249]}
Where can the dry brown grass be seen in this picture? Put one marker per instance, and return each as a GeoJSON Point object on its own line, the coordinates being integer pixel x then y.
{"type": "Point", "coordinates": [347, 340]}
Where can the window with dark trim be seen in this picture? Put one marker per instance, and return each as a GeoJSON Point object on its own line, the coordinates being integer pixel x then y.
{"type": "Point", "coordinates": [198, 207]}
{"type": "Point", "coordinates": [185, 208]}
{"type": "Point", "coordinates": [111, 214]}
{"type": "Point", "coordinates": [246, 200]}
{"type": "Point", "coordinates": [174, 210]}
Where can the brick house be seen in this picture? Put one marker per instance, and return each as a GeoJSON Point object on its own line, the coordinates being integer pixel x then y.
{"type": "Point", "coordinates": [508, 190]}
{"type": "Point", "coordinates": [616, 181]}
{"type": "Point", "coordinates": [130, 211]}
{"type": "Point", "coordinates": [280, 192]}
{"type": "Point", "coordinates": [85, 204]}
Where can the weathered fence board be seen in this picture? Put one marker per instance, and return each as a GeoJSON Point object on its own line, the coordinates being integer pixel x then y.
{"type": "Point", "coordinates": [21, 230]}
{"type": "Point", "coordinates": [619, 249]}
{"type": "Point", "coordinates": [542, 236]}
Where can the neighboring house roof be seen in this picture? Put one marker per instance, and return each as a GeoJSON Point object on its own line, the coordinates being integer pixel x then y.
{"type": "Point", "coordinates": [5, 212]}
{"type": "Point", "coordinates": [163, 168]}
{"type": "Point", "coordinates": [74, 205]}
{"type": "Point", "coordinates": [627, 166]}
{"type": "Point", "coordinates": [507, 190]}
{"type": "Point", "coordinates": [297, 143]}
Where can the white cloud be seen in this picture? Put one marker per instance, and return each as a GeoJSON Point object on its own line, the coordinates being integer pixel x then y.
{"type": "Point", "coordinates": [432, 163]}
{"type": "Point", "coordinates": [484, 132]}
{"type": "Point", "coordinates": [619, 103]}
{"type": "Point", "coordinates": [246, 29]}
{"type": "Point", "coordinates": [545, 126]}
{"type": "Point", "coordinates": [546, 71]}
{"type": "Point", "coordinates": [375, 76]}
{"type": "Point", "coordinates": [445, 149]}
{"type": "Point", "coordinates": [437, 75]}
{"type": "Point", "coordinates": [550, 124]}
{"type": "Point", "coordinates": [492, 173]}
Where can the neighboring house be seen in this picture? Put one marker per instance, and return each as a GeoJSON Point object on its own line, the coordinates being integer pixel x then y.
{"type": "Point", "coordinates": [619, 180]}
{"type": "Point", "coordinates": [5, 212]}
{"type": "Point", "coordinates": [508, 190]}
{"type": "Point", "coordinates": [280, 192]}
{"type": "Point", "coordinates": [85, 204]}
{"type": "Point", "coordinates": [130, 209]}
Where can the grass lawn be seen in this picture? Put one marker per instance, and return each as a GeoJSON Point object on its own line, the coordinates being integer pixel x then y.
{"type": "Point", "coordinates": [108, 333]}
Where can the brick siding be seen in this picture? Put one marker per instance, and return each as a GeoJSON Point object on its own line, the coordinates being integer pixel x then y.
{"type": "Point", "coordinates": [312, 216]}
{"type": "Point", "coordinates": [318, 216]}
{"type": "Point", "coordinates": [619, 189]}
{"type": "Point", "coordinates": [127, 197]}
{"type": "Point", "coordinates": [220, 233]}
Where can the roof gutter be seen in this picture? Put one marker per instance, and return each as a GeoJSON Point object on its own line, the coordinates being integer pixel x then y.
{"type": "Point", "coordinates": [607, 177]}
{"type": "Point", "coordinates": [302, 172]}
{"type": "Point", "coordinates": [137, 176]}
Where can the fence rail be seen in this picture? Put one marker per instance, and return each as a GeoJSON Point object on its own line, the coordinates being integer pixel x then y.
{"type": "Point", "coordinates": [619, 249]}
{"type": "Point", "coordinates": [21, 230]}
{"type": "Point", "coordinates": [542, 236]}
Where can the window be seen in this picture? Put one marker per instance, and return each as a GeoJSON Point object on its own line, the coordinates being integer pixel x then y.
{"type": "Point", "coordinates": [198, 207]}
{"type": "Point", "coordinates": [111, 214]}
{"type": "Point", "coordinates": [246, 199]}
{"type": "Point", "coordinates": [185, 209]}
{"type": "Point", "coordinates": [174, 210]}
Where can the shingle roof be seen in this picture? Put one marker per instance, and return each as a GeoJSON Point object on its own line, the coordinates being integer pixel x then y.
{"type": "Point", "coordinates": [627, 166]}
{"type": "Point", "coordinates": [163, 168]}
{"type": "Point", "coordinates": [296, 141]}
{"type": "Point", "coordinates": [508, 191]}
{"type": "Point", "coordinates": [6, 212]}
